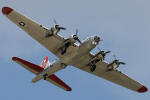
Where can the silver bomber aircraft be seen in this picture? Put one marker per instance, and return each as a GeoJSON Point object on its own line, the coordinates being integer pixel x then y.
{"type": "Point", "coordinates": [69, 53]}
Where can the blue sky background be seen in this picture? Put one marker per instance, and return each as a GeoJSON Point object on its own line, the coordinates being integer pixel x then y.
{"type": "Point", "coordinates": [124, 26]}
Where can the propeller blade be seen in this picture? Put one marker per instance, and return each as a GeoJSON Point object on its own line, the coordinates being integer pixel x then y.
{"type": "Point", "coordinates": [63, 28]}
{"type": "Point", "coordinates": [122, 63]}
{"type": "Point", "coordinates": [76, 32]}
{"type": "Point", "coordinates": [107, 52]}
{"type": "Point", "coordinates": [60, 28]}
{"type": "Point", "coordinates": [78, 40]}
{"type": "Point", "coordinates": [55, 22]}
{"type": "Point", "coordinates": [76, 36]}
{"type": "Point", "coordinates": [57, 26]}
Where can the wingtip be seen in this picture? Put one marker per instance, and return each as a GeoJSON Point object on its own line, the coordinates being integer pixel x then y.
{"type": "Point", "coordinates": [6, 10]}
{"type": "Point", "coordinates": [14, 58]}
{"type": "Point", "coordinates": [69, 89]}
{"type": "Point", "coordinates": [142, 89]}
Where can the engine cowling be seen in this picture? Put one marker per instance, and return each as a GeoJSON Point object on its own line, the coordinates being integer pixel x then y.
{"type": "Point", "coordinates": [73, 38]}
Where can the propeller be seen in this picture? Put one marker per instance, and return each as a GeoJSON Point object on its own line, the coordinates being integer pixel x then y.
{"type": "Point", "coordinates": [122, 63]}
{"type": "Point", "coordinates": [57, 26]}
{"type": "Point", "coordinates": [118, 62]}
{"type": "Point", "coordinates": [75, 36]}
{"type": "Point", "coordinates": [103, 53]}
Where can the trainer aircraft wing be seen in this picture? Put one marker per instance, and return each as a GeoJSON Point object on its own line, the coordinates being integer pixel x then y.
{"type": "Point", "coordinates": [37, 69]}
{"type": "Point", "coordinates": [35, 30]}
{"type": "Point", "coordinates": [114, 76]}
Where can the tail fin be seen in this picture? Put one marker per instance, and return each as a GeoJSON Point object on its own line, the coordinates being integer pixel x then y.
{"type": "Point", "coordinates": [45, 62]}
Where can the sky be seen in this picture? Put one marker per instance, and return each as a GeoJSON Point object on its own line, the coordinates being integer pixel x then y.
{"type": "Point", "coordinates": [123, 25]}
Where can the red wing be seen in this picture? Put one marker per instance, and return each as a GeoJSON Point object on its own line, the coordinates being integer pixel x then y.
{"type": "Point", "coordinates": [57, 81]}
{"type": "Point", "coordinates": [28, 65]}
{"type": "Point", "coordinates": [37, 69]}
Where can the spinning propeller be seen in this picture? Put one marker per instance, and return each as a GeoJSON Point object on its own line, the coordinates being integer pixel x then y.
{"type": "Point", "coordinates": [117, 61]}
{"type": "Point", "coordinates": [58, 27]}
{"type": "Point", "coordinates": [75, 36]}
{"type": "Point", "coordinates": [103, 53]}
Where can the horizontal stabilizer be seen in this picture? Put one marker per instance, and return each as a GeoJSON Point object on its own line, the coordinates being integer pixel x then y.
{"type": "Point", "coordinates": [37, 69]}
{"type": "Point", "coordinates": [28, 65]}
{"type": "Point", "coordinates": [57, 81]}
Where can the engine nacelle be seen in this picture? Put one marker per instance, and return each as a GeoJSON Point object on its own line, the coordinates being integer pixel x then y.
{"type": "Point", "coordinates": [99, 56]}
{"type": "Point", "coordinates": [54, 30]}
{"type": "Point", "coordinates": [114, 65]}
{"type": "Point", "coordinates": [72, 38]}
{"type": "Point", "coordinates": [88, 44]}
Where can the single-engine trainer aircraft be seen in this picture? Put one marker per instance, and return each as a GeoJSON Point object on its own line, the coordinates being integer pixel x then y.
{"type": "Point", "coordinates": [69, 53]}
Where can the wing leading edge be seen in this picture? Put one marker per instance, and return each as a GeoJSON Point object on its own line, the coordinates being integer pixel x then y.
{"type": "Point", "coordinates": [35, 30]}
{"type": "Point", "coordinates": [37, 69]}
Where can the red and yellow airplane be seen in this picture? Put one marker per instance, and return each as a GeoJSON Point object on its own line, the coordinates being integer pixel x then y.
{"type": "Point", "coordinates": [69, 53]}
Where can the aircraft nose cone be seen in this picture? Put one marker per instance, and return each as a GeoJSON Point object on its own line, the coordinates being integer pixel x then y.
{"type": "Point", "coordinates": [96, 39]}
{"type": "Point", "coordinates": [6, 10]}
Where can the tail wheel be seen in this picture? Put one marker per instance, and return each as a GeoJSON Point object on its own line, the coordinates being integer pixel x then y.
{"type": "Point", "coordinates": [45, 76]}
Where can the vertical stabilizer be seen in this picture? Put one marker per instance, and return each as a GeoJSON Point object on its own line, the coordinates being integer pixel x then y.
{"type": "Point", "coordinates": [45, 62]}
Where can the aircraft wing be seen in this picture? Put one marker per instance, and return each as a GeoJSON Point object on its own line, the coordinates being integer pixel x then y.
{"type": "Point", "coordinates": [37, 69]}
{"type": "Point", "coordinates": [114, 76]}
{"type": "Point", "coordinates": [35, 30]}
